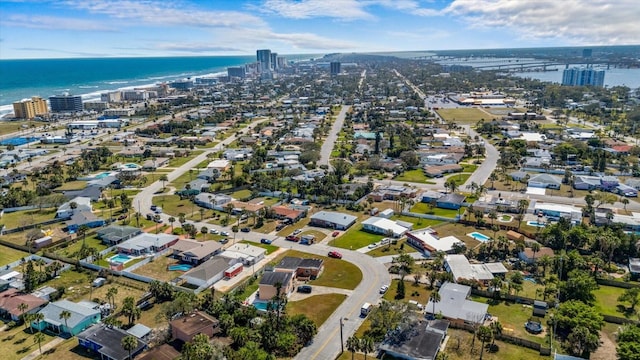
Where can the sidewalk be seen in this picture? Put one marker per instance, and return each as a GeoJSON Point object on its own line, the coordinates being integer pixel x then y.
{"type": "Point", "coordinates": [48, 346]}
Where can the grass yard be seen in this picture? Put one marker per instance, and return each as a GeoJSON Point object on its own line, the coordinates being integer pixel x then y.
{"type": "Point", "coordinates": [269, 248]}
{"type": "Point", "coordinates": [8, 127]}
{"type": "Point", "coordinates": [337, 273]}
{"type": "Point", "coordinates": [72, 185]}
{"type": "Point", "coordinates": [513, 316]}
{"type": "Point", "coordinates": [318, 234]}
{"type": "Point", "coordinates": [123, 290]}
{"type": "Point", "coordinates": [463, 115]}
{"type": "Point", "coordinates": [18, 343]}
{"type": "Point", "coordinates": [317, 307]}
{"type": "Point", "coordinates": [355, 238]}
{"type": "Point", "coordinates": [157, 269]}
{"type": "Point", "coordinates": [293, 227]}
{"type": "Point", "coordinates": [607, 301]}
{"type": "Point", "coordinates": [416, 175]}
{"type": "Point", "coordinates": [267, 227]}
{"type": "Point", "coordinates": [173, 205]}
{"type": "Point", "coordinates": [506, 351]}
{"type": "Point", "coordinates": [9, 255]}
{"type": "Point", "coordinates": [241, 194]}
{"type": "Point", "coordinates": [90, 241]}
{"type": "Point", "coordinates": [27, 217]}
{"type": "Point", "coordinates": [460, 231]}
{"type": "Point", "coordinates": [418, 293]}
{"type": "Point", "coordinates": [469, 168]}
{"type": "Point", "coordinates": [424, 208]}
{"type": "Point", "coordinates": [459, 178]}
{"type": "Point", "coordinates": [386, 250]}
{"type": "Point", "coordinates": [179, 161]}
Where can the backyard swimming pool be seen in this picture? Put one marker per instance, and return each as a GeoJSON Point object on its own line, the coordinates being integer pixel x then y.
{"type": "Point", "coordinates": [17, 141]}
{"type": "Point", "coordinates": [536, 224]}
{"type": "Point", "coordinates": [131, 166]}
{"type": "Point", "coordinates": [102, 175]}
{"type": "Point", "coordinates": [122, 259]}
{"type": "Point", "coordinates": [179, 267]}
{"type": "Point", "coordinates": [478, 236]}
{"type": "Point", "coordinates": [260, 306]}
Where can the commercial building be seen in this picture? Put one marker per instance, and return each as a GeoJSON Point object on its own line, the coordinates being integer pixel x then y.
{"type": "Point", "coordinates": [66, 103]}
{"type": "Point", "coordinates": [237, 71]}
{"type": "Point", "coordinates": [333, 220]}
{"type": "Point", "coordinates": [583, 77]}
{"type": "Point", "coordinates": [274, 61]}
{"type": "Point", "coordinates": [96, 105]}
{"type": "Point", "coordinates": [335, 67]}
{"type": "Point", "coordinates": [30, 108]}
{"type": "Point", "coordinates": [264, 60]}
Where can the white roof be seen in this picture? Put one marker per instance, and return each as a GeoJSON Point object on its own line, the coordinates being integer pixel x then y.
{"type": "Point", "coordinates": [536, 191]}
{"type": "Point", "coordinates": [246, 249]}
{"type": "Point", "coordinates": [438, 244]}
{"type": "Point", "coordinates": [530, 136]}
{"type": "Point", "coordinates": [9, 275]}
{"type": "Point", "coordinates": [219, 163]}
{"type": "Point", "coordinates": [567, 209]}
{"type": "Point", "coordinates": [462, 269]}
{"type": "Point", "coordinates": [386, 225]}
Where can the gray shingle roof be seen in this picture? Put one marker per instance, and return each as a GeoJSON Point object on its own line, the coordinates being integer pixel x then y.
{"type": "Point", "coordinates": [78, 313]}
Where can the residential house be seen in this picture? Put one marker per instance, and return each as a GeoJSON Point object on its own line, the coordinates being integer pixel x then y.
{"type": "Point", "coordinates": [245, 253]}
{"type": "Point", "coordinates": [545, 181]}
{"type": "Point", "coordinates": [146, 243]}
{"type": "Point", "coordinates": [380, 225]}
{"type": "Point", "coordinates": [83, 218]}
{"type": "Point", "coordinates": [140, 331]}
{"type": "Point", "coordinates": [301, 268]}
{"type": "Point", "coordinates": [437, 171]}
{"type": "Point", "coordinates": [162, 352]}
{"type": "Point", "coordinates": [430, 196]}
{"type": "Point", "coordinates": [107, 341]}
{"type": "Point", "coordinates": [556, 211]}
{"type": "Point", "coordinates": [460, 267]}
{"type": "Point", "coordinates": [419, 342]}
{"type": "Point", "coordinates": [188, 326]}
{"type": "Point", "coordinates": [518, 175]}
{"type": "Point", "coordinates": [219, 165]}
{"type": "Point", "coordinates": [209, 174]}
{"type": "Point", "coordinates": [626, 191]}
{"type": "Point", "coordinates": [634, 268]}
{"type": "Point", "coordinates": [427, 242]}
{"type": "Point", "coordinates": [11, 299]}
{"type": "Point", "coordinates": [530, 257]}
{"type": "Point", "coordinates": [195, 252]}
{"type": "Point", "coordinates": [332, 220]}
{"type": "Point", "coordinates": [72, 206]}
{"type": "Point", "coordinates": [272, 282]}
{"type": "Point", "coordinates": [81, 317]}
{"type": "Point", "coordinates": [247, 207]}
{"type": "Point", "coordinates": [392, 192]}
{"type": "Point", "coordinates": [455, 306]}
{"type": "Point", "coordinates": [213, 201]}
{"type": "Point", "coordinates": [585, 182]}
{"type": "Point", "coordinates": [451, 201]}
{"type": "Point", "coordinates": [115, 234]}
{"type": "Point", "coordinates": [209, 272]}
{"type": "Point", "coordinates": [284, 212]}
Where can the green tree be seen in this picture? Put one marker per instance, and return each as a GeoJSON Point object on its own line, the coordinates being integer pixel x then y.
{"type": "Point", "coordinates": [111, 296]}
{"type": "Point", "coordinates": [631, 296]}
{"type": "Point", "coordinates": [629, 343]}
{"type": "Point", "coordinates": [578, 286]}
{"type": "Point", "coordinates": [38, 339]}
{"type": "Point", "coordinates": [366, 346]}
{"type": "Point", "coordinates": [129, 343]}
{"type": "Point", "coordinates": [576, 316]}
{"type": "Point", "coordinates": [65, 315]}
{"type": "Point", "coordinates": [485, 335]}
{"type": "Point", "coordinates": [400, 291]}
{"type": "Point", "coordinates": [130, 310]}
{"type": "Point", "coordinates": [353, 345]}
{"type": "Point", "coordinates": [435, 298]}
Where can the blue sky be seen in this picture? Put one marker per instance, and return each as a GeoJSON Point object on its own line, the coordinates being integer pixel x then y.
{"type": "Point", "coordinates": [124, 28]}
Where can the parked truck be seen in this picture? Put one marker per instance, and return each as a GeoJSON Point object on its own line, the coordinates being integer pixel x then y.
{"type": "Point", "coordinates": [365, 309]}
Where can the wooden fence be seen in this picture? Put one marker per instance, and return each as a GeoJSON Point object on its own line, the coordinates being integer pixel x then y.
{"type": "Point", "coordinates": [543, 350]}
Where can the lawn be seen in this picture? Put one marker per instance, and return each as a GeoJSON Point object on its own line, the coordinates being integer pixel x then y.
{"type": "Point", "coordinates": [267, 227]}
{"type": "Point", "coordinates": [27, 217]}
{"type": "Point", "coordinates": [416, 175]}
{"type": "Point", "coordinates": [9, 255]}
{"type": "Point", "coordinates": [418, 293]}
{"type": "Point", "coordinates": [337, 273]}
{"type": "Point", "coordinates": [607, 301]}
{"type": "Point", "coordinates": [72, 185]}
{"type": "Point", "coordinates": [173, 205]}
{"type": "Point", "coordinates": [424, 208]}
{"type": "Point", "coordinates": [293, 227]}
{"type": "Point", "coordinates": [18, 343]}
{"type": "Point", "coordinates": [318, 234]}
{"type": "Point", "coordinates": [241, 194]}
{"type": "Point", "coordinates": [459, 178]}
{"type": "Point", "coordinates": [269, 248]}
{"type": "Point", "coordinates": [317, 308]}
{"type": "Point", "coordinates": [469, 168]}
{"type": "Point", "coordinates": [7, 127]}
{"type": "Point", "coordinates": [157, 269]}
{"type": "Point", "coordinates": [463, 116]}
{"type": "Point", "coordinates": [90, 241]}
{"type": "Point", "coordinates": [392, 249]}
{"type": "Point", "coordinates": [355, 238]}
{"type": "Point", "coordinates": [506, 351]}
{"type": "Point", "coordinates": [513, 316]}
{"type": "Point", "coordinates": [179, 161]}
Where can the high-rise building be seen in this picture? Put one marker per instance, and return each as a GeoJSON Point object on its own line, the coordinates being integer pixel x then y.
{"type": "Point", "coordinates": [583, 77]}
{"type": "Point", "coordinates": [65, 102]}
{"type": "Point", "coordinates": [274, 61]}
{"type": "Point", "coordinates": [281, 62]}
{"type": "Point", "coordinates": [335, 67]}
{"type": "Point", "coordinates": [237, 71]}
{"type": "Point", "coordinates": [264, 58]}
{"type": "Point", "coordinates": [30, 108]}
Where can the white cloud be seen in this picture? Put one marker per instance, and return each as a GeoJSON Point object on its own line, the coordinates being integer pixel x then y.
{"type": "Point", "coordinates": [304, 9]}
{"type": "Point", "coordinates": [53, 22]}
{"type": "Point", "coordinates": [577, 21]}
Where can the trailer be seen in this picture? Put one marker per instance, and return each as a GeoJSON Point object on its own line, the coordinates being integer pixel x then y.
{"type": "Point", "coordinates": [233, 271]}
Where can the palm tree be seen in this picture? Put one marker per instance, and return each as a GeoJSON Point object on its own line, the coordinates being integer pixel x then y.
{"type": "Point", "coordinates": [38, 339]}
{"type": "Point", "coordinates": [485, 335]}
{"type": "Point", "coordinates": [111, 295]}
{"type": "Point", "coordinates": [535, 247]}
{"type": "Point", "coordinates": [366, 346]}
{"type": "Point", "coordinates": [353, 345]}
{"type": "Point", "coordinates": [22, 307]}
{"type": "Point", "coordinates": [496, 327]}
{"type": "Point", "coordinates": [65, 315]}
{"type": "Point", "coordinates": [129, 343]}
{"type": "Point", "coordinates": [37, 318]}
{"type": "Point", "coordinates": [163, 179]}
{"type": "Point", "coordinates": [82, 230]}
{"type": "Point", "coordinates": [435, 298]}
{"type": "Point", "coordinates": [171, 221]}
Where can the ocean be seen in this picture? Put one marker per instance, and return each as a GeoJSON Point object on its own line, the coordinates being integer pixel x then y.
{"type": "Point", "coordinates": [20, 79]}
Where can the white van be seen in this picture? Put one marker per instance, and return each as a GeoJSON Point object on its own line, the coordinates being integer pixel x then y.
{"type": "Point", "coordinates": [365, 309]}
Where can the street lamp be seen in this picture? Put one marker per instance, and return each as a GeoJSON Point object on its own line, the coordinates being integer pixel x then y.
{"type": "Point", "coordinates": [341, 336]}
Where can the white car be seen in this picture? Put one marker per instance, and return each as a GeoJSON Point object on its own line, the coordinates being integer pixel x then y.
{"type": "Point", "coordinates": [384, 288]}
{"type": "Point", "coordinates": [372, 246]}
{"type": "Point", "coordinates": [224, 233]}
{"type": "Point", "coordinates": [213, 231]}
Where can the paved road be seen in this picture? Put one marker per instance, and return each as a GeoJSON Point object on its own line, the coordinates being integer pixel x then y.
{"type": "Point", "coordinates": [329, 142]}
{"type": "Point", "coordinates": [482, 173]}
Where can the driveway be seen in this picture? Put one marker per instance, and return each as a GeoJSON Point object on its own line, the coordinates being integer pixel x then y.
{"type": "Point", "coordinates": [319, 290]}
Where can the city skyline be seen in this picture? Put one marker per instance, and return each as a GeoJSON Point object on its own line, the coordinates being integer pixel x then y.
{"type": "Point", "coordinates": [126, 28]}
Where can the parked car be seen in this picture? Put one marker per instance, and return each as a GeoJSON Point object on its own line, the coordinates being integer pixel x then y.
{"type": "Point", "coordinates": [305, 289]}
{"type": "Point", "coordinates": [334, 254]}
{"type": "Point", "coordinates": [373, 246]}
{"type": "Point", "coordinates": [245, 229]}
{"type": "Point", "coordinates": [265, 241]}
{"type": "Point", "coordinates": [213, 231]}
{"type": "Point", "coordinates": [153, 207]}
{"type": "Point", "coordinates": [150, 216]}
{"type": "Point", "coordinates": [280, 227]}
{"type": "Point", "coordinates": [224, 241]}
{"type": "Point", "coordinates": [335, 233]}
{"type": "Point", "coordinates": [224, 233]}
{"type": "Point", "coordinates": [292, 238]}
{"type": "Point", "coordinates": [122, 217]}
{"type": "Point", "coordinates": [384, 288]}
{"type": "Point", "coordinates": [296, 232]}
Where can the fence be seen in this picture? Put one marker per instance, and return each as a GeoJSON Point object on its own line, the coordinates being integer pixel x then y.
{"type": "Point", "coordinates": [429, 216]}
{"type": "Point", "coordinates": [33, 226]}
{"type": "Point", "coordinates": [618, 320]}
{"type": "Point", "coordinates": [507, 338]}
{"type": "Point", "coordinates": [507, 297]}
{"type": "Point", "coordinates": [620, 284]}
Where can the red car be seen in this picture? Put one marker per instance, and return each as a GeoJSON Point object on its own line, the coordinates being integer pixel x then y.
{"type": "Point", "coordinates": [335, 255]}
{"type": "Point", "coordinates": [335, 233]}
{"type": "Point", "coordinates": [292, 238]}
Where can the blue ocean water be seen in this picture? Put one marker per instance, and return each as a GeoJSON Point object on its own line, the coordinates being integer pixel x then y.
{"type": "Point", "coordinates": [21, 79]}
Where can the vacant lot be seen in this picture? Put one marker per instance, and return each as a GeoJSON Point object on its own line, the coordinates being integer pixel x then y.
{"type": "Point", "coordinates": [419, 292]}
{"type": "Point", "coordinates": [416, 175]}
{"type": "Point", "coordinates": [459, 348]}
{"type": "Point", "coordinates": [9, 255]}
{"type": "Point", "coordinates": [355, 238]}
{"type": "Point", "coordinates": [317, 308]}
{"type": "Point", "coordinates": [157, 269]}
{"type": "Point", "coordinates": [463, 116]}
{"type": "Point", "coordinates": [513, 316]}
{"type": "Point", "coordinates": [27, 217]}
{"type": "Point", "coordinates": [17, 343]}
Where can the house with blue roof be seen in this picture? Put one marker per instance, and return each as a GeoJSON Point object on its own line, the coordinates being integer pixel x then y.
{"type": "Point", "coordinates": [82, 316]}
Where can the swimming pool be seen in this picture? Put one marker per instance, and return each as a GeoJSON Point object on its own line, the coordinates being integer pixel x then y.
{"type": "Point", "coordinates": [261, 306]}
{"type": "Point", "coordinates": [102, 175]}
{"type": "Point", "coordinates": [123, 259]}
{"type": "Point", "coordinates": [17, 141]}
{"type": "Point", "coordinates": [536, 224]}
{"type": "Point", "coordinates": [131, 166]}
{"type": "Point", "coordinates": [180, 267]}
{"type": "Point", "coordinates": [530, 279]}
{"type": "Point", "coordinates": [478, 236]}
